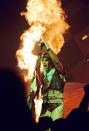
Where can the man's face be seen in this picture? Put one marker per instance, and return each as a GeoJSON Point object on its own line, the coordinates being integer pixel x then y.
{"type": "Point", "coordinates": [45, 63]}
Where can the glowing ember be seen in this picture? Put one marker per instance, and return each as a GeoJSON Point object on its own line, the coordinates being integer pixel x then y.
{"type": "Point", "coordinates": [47, 23]}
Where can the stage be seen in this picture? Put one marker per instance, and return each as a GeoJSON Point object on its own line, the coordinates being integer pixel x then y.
{"type": "Point", "coordinates": [73, 95]}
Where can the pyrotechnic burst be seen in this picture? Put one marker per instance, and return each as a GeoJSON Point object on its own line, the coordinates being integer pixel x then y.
{"type": "Point", "coordinates": [46, 21]}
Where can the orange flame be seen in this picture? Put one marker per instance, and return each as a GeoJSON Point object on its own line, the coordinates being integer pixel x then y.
{"type": "Point", "coordinates": [47, 23]}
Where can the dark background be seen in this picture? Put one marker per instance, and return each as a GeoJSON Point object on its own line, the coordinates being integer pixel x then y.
{"type": "Point", "coordinates": [75, 52]}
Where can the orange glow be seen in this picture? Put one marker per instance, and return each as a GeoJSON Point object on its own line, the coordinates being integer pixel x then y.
{"type": "Point", "coordinates": [46, 23]}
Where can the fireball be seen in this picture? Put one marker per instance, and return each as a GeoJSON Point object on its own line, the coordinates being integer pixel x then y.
{"type": "Point", "coordinates": [47, 23]}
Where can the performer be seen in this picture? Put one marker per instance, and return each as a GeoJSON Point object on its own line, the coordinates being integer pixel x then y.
{"type": "Point", "coordinates": [37, 57]}
{"type": "Point", "coordinates": [49, 77]}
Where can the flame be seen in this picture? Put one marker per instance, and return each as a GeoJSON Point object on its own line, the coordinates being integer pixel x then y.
{"type": "Point", "coordinates": [46, 22]}
{"type": "Point", "coordinates": [30, 40]}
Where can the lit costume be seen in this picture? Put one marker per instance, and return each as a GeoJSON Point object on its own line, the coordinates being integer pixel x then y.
{"type": "Point", "coordinates": [47, 77]}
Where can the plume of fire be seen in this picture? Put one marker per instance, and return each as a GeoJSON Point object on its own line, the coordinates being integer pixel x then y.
{"type": "Point", "coordinates": [26, 55]}
{"type": "Point", "coordinates": [47, 22]}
